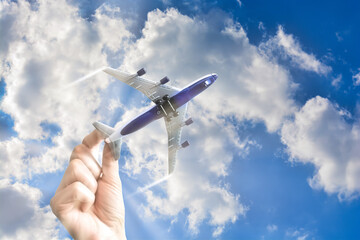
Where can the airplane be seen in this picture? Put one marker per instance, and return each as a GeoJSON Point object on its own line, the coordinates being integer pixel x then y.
{"type": "Point", "coordinates": [170, 104]}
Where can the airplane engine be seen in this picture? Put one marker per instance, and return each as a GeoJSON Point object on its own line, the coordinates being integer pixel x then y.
{"type": "Point", "coordinates": [164, 80]}
{"type": "Point", "coordinates": [185, 144]}
{"type": "Point", "coordinates": [188, 122]}
{"type": "Point", "coordinates": [141, 72]}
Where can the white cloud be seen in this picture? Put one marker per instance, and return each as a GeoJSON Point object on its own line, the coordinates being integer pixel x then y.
{"type": "Point", "coordinates": [323, 135]}
{"type": "Point", "coordinates": [289, 47]}
{"type": "Point", "coordinates": [49, 46]}
{"type": "Point", "coordinates": [337, 81]}
{"type": "Point", "coordinates": [249, 86]}
{"type": "Point", "coordinates": [196, 184]}
{"type": "Point", "coordinates": [44, 48]}
{"type": "Point", "coordinates": [356, 78]}
{"type": "Point", "coordinates": [21, 217]}
{"type": "Point", "coordinates": [272, 228]}
{"type": "Point", "coordinates": [11, 155]}
{"type": "Point", "coordinates": [298, 234]}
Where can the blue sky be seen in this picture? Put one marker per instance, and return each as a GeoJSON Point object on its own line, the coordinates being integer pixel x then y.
{"type": "Point", "coordinates": [275, 145]}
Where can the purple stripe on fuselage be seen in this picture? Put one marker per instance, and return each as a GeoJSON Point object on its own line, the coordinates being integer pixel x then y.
{"type": "Point", "coordinates": [141, 121]}
{"type": "Point", "coordinates": [191, 91]}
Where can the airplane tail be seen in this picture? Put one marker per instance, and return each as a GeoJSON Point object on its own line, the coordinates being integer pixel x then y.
{"type": "Point", "coordinates": [106, 131]}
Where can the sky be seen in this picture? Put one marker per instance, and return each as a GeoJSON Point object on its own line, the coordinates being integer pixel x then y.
{"type": "Point", "coordinates": [275, 144]}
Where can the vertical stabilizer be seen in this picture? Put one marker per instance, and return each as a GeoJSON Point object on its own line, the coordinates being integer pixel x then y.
{"type": "Point", "coordinates": [106, 131]}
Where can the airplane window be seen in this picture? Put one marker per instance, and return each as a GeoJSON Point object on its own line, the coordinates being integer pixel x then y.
{"type": "Point", "coordinates": [207, 82]}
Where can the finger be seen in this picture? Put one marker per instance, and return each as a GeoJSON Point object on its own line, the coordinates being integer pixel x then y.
{"type": "Point", "coordinates": [93, 139]}
{"type": "Point", "coordinates": [83, 153]}
{"type": "Point", "coordinates": [110, 167]}
{"type": "Point", "coordinates": [76, 195]}
{"type": "Point", "coordinates": [78, 172]}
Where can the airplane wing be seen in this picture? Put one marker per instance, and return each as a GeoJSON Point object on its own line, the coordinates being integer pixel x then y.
{"type": "Point", "coordinates": [153, 90]}
{"type": "Point", "coordinates": [174, 127]}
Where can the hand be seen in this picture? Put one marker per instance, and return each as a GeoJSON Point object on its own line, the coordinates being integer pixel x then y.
{"type": "Point", "coordinates": [89, 200]}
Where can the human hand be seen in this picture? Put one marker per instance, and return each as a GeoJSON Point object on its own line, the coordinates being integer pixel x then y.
{"type": "Point", "coordinates": [89, 200]}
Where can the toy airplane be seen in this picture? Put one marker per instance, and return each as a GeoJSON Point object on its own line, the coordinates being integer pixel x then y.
{"type": "Point", "coordinates": [171, 104]}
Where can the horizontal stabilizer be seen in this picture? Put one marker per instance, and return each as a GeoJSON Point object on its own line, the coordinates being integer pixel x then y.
{"type": "Point", "coordinates": [106, 131]}
{"type": "Point", "coordinates": [116, 148]}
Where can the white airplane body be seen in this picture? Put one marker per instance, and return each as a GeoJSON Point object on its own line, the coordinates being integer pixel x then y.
{"type": "Point", "coordinates": [171, 104]}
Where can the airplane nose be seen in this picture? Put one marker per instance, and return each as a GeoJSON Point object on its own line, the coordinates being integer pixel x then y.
{"type": "Point", "coordinates": [215, 76]}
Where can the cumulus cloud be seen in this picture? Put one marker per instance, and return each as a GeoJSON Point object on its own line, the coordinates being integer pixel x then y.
{"type": "Point", "coordinates": [11, 153]}
{"type": "Point", "coordinates": [289, 47]}
{"type": "Point", "coordinates": [197, 184]}
{"type": "Point", "coordinates": [48, 47]}
{"type": "Point", "coordinates": [45, 47]}
{"type": "Point", "coordinates": [249, 86]}
{"type": "Point", "coordinates": [325, 135]}
{"type": "Point", "coordinates": [21, 217]}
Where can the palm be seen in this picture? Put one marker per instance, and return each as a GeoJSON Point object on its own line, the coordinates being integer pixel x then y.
{"type": "Point", "coordinates": [103, 217]}
{"type": "Point", "coordinates": [89, 199]}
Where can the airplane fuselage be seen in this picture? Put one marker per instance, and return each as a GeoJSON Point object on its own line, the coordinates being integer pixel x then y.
{"type": "Point", "coordinates": [167, 106]}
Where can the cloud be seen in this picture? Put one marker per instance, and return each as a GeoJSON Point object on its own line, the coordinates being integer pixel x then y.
{"type": "Point", "coordinates": [356, 78]}
{"type": "Point", "coordinates": [45, 47]}
{"type": "Point", "coordinates": [326, 136]}
{"type": "Point", "coordinates": [249, 86]}
{"type": "Point", "coordinates": [21, 217]}
{"type": "Point", "coordinates": [298, 234]}
{"type": "Point", "coordinates": [288, 47]}
{"type": "Point", "coordinates": [49, 46]}
{"type": "Point", "coordinates": [272, 228]}
{"type": "Point", "coordinates": [197, 184]}
{"type": "Point", "coordinates": [61, 47]}
{"type": "Point", "coordinates": [336, 81]}
{"type": "Point", "coordinates": [11, 154]}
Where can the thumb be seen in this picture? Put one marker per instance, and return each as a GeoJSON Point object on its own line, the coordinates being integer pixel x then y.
{"type": "Point", "coordinates": [110, 166]}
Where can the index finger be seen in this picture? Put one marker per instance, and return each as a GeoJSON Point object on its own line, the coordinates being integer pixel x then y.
{"type": "Point", "coordinates": [93, 139]}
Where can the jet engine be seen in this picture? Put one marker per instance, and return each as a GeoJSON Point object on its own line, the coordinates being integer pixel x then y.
{"type": "Point", "coordinates": [141, 72]}
{"type": "Point", "coordinates": [188, 122]}
{"type": "Point", "coordinates": [164, 80]}
{"type": "Point", "coordinates": [185, 144]}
